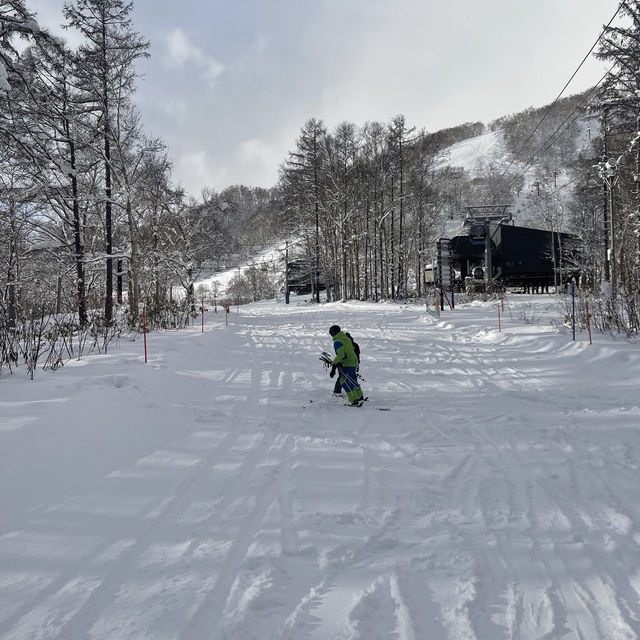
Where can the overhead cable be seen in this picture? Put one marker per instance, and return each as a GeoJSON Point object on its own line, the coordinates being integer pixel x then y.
{"type": "Point", "coordinates": [573, 75]}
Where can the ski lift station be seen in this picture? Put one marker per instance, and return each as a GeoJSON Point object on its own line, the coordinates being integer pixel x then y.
{"type": "Point", "coordinates": [494, 252]}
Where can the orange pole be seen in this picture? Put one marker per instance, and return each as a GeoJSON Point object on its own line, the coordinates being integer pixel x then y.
{"type": "Point", "coordinates": [499, 321]}
{"type": "Point", "coordinates": [589, 322]}
{"type": "Point", "coordinates": [202, 315]}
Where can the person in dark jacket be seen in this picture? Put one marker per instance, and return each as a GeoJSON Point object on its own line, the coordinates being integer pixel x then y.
{"type": "Point", "coordinates": [346, 363]}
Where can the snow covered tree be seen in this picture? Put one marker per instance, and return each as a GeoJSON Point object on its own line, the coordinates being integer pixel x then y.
{"type": "Point", "coordinates": [106, 74]}
{"type": "Point", "coordinates": [48, 133]}
{"type": "Point", "coordinates": [376, 176]}
{"type": "Point", "coordinates": [619, 103]}
{"type": "Point", "coordinates": [302, 183]}
{"type": "Point", "coordinates": [15, 20]}
{"type": "Point", "coordinates": [342, 201]}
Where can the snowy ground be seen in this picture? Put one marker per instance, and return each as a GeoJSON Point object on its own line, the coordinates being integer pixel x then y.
{"type": "Point", "coordinates": [203, 496]}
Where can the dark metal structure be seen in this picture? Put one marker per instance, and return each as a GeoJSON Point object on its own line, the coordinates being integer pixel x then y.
{"type": "Point", "coordinates": [519, 257]}
{"type": "Point", "coordinates": [300, 276]}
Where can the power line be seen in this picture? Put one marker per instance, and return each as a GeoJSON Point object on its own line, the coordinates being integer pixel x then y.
{"type": "Point", "coordinates": [548, 111]}
{"type": "Point", "coordinates": [568, 121]}
{"type": "Point", "coordinates": [552, 193]}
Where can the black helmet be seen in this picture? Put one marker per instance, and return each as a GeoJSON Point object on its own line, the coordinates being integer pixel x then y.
{"type": "Point", "coordinates": [334, 329]}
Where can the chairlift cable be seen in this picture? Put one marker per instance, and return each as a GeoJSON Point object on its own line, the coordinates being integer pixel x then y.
{"type": "Point", "coordinates": [548, 111]}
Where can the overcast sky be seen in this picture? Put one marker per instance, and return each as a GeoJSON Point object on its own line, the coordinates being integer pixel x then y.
{"type": "Point", "coordinates": [230, 82]}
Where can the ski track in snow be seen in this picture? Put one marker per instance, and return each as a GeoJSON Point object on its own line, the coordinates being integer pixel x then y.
{"type": "Point", "coordinates": [202, 496]}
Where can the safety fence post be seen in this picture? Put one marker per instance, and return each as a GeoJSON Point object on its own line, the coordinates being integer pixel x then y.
{"type": "Point", "coordinates": [573, 310]}
{"type": "Point", "coordinates": [444, 293]}
{"type": "Point", "coordinates": [144, 332]}
{"type": "Point", "coordinates": [202, 308]}
{"type": "Point", "coordinates": [499, 321]}
{"type": "Point", "coordinates": [589, 322]}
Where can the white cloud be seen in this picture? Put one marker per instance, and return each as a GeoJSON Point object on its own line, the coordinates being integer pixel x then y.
{"type": "Point", "coordinates": [195, 171]}
{"type": "Point", "coordinates": [255, 151]}
{"type": "Point", "coordinates": [259, 159]}
{"type": "Point", "coordinates": [213, 70]}
{"type": "Point", "coordinates": [180, 49]}
{"type": "Point", "coordinates": [259, 45]}
{"type": "Point", "coordinates": [176, 108]}
{"type": "Point", "coordinates": [183, 52]}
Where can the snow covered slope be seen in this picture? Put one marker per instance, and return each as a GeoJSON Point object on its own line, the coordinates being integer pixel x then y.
{"type": "Point", "coordinates": [487, 155]}
{"type": "Point", "coordinates": [221, 492]}
{"type": "Point", "coordinates": [272, 259]}
{"type": "Point", "coordinates": [478, 156]}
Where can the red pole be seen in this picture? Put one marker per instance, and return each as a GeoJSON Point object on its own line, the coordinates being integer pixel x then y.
{"type": "Point", "coordinates": [144, 331]}
{"type": "Point", "coordinates": [499, 321]}
{"type": "Point", "coordinates": [589, 322]}
{"type": "Point", "coordinates": [202, 315]}
{"type": "Point", "coordinates": [447, 298]}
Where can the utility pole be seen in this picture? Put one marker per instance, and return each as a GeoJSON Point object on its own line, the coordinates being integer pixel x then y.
{"type": "Point", "coordinates": [605, 197]}
{"type": "Point", "coordinates": [610, 175]}
{"type": "Point", "coordinates": [612, 179]}
{"type": "Point", "coordinates": [286, 272]}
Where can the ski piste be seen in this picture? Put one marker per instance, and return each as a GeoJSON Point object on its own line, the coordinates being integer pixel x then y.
{"type": "Point", "coordinates": [347, 404]}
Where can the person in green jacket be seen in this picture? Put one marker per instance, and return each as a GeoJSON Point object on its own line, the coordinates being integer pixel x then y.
{"type": "Point", "coordinates": [346, 363]}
